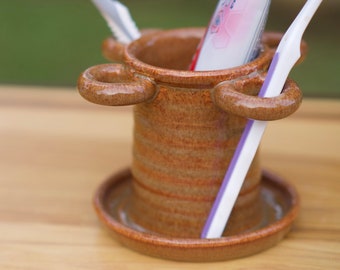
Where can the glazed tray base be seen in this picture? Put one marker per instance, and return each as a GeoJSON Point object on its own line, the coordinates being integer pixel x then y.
{"type": "Point", "coordinates": [280, 201]}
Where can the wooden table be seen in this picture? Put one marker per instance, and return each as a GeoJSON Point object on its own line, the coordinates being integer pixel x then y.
{"type": "Point", "coordinates": [55, 149]}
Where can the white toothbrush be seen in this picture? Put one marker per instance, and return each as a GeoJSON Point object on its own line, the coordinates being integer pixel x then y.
{"type": "Point", "coordinates": [286, 55]}
{"type": "Point", "coordinates": [119, 20]}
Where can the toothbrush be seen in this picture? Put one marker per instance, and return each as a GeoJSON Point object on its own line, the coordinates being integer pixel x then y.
{"type": "Point", "coordinates": [286, 55]}
{"type": "Point", "coordinates": [119, 20]}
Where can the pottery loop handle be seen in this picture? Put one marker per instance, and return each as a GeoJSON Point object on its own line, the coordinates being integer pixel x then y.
{"type": "Point", "coordinates": [114, 85]}
{"type": "Point", "coordinates": [230, 97]}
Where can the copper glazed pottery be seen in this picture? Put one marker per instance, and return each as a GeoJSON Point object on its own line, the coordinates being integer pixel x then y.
{"type": "Point", "coordinates": [186, 128]}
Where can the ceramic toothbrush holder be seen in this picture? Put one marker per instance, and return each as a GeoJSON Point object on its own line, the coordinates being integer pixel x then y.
{"type": "Point", "coordinates": [186, 128]}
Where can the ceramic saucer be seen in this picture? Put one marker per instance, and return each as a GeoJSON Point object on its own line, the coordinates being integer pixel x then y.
{"type": "Point", "coordinates": [281, 206]}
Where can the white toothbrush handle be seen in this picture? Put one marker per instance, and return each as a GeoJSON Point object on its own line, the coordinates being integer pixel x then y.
{"type": "Point", "coordinates": [287, 54]}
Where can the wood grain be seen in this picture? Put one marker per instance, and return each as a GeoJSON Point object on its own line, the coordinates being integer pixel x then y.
{"type": "Point", "coordinates": [55, 149]}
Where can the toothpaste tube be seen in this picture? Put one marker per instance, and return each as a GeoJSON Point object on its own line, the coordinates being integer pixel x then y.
{"type": "Point", "coordinates": [233, 35]}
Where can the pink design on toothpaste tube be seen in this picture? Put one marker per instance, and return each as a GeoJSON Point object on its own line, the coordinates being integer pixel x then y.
{"type": "Point", "coordinates": [232, 36]}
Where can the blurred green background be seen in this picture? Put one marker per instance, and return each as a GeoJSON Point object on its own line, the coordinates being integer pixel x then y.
{"type": "Point", "coordinates": [50, 42]}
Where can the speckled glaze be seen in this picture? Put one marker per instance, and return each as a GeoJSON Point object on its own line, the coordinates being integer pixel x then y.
{"type": "Point", "coordinates": [187, 126]}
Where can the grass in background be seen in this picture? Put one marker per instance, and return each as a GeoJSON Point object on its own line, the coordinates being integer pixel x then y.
{"type": "Point", "coordinates": [49, 42]}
